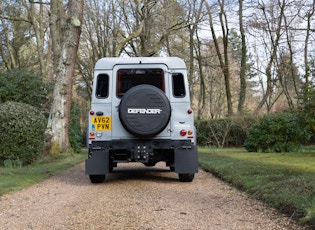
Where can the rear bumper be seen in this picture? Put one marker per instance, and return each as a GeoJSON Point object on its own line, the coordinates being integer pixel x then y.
{"type": "Point", "coordinates": [180, 154]}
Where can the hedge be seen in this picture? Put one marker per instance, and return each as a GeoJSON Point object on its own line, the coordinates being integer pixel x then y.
{"type": "Point", "coordinates": [224, 132]}
{"type": "Point", "coordinates": [22, 128]}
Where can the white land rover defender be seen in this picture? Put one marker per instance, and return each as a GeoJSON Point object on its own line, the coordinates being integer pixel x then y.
{"type": "Point", "coordinates": [140, 112]}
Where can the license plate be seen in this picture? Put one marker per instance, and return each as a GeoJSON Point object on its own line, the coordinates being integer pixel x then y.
{"type": "Point", "coordinates": [102, 123]}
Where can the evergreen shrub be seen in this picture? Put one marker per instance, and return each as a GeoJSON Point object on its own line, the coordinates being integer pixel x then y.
{"type": "Point", "coordinates": [223, 132]}
{"type": "Point", "coordinates": [22, 128]}
{"type": "Point", "coordinates": [25, 87]}
{"type": "Point", "coordinates": [281, 132]}
{"type": "Point", "coordinates": [75, 133]}
{"type": "Point", "coordinates": [307, 110]}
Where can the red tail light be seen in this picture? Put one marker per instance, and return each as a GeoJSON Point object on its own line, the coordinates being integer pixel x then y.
{"type": "Point", "coordinates": [183, 132]}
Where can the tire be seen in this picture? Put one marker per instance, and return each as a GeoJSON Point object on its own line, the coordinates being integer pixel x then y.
{"type": "Point", "coordinates": [95, 179]}
{"type": "Point", "coordinates": [186, 177]}
{"type": "Point", "coordinates": [144, 111]}
{"type": "Point", "coordinates": [112, 165]}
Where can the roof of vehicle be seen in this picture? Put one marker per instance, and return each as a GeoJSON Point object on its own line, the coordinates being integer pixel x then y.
{"type": "Point", "coordinates": [110, 62]}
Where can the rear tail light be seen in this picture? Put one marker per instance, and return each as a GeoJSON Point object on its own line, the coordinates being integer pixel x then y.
{"type": "Point", "coordinates": [189, 111]}
{"type": "Point", "coordinates": [183, 132]}
{"type": "Point", "coordinates": [91, 112]}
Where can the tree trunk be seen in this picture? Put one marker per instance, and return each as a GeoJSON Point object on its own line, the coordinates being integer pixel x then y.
{"type": "Point", "coordinates": [309, 16]}
{"type": "Point", "coordinates": [194, 18]}
{"type": "Point", "coordinates": [202, 87]}
{"type": "Point", "coordinates": [7, 53]}
{"type": "Point", "coordinates": [65, 34]}
{"type": "Point", "coordinates": [224, 61]}
{"type": "Point", "coordinates": [242, 95]}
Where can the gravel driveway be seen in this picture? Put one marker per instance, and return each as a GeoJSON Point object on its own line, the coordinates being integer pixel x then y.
{"type": "Point", "coordinates": [135, 197]}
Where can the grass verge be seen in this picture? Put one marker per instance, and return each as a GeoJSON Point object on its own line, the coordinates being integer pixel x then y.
{"type": "Point", "coordinates": [285, 181]}
{"type": "Point", "coordinates": [12, 179]}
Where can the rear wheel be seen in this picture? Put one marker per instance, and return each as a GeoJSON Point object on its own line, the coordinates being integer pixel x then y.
{"type": "Point", "coordinates": [112, 165]}
{"type": "Point", "coordinates": [97, 178]}
{"type": "Point", "coordinates": [186, 177]}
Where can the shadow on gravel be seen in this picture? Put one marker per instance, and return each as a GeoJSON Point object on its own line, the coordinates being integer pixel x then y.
{"type": "Point", "coordinates": [141, 173]}
{"type": "Point", "coordinates": [124, 172]}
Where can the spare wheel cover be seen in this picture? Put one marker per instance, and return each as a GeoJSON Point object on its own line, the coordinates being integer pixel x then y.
{"type": "Point", "coordinates": [144, 110]}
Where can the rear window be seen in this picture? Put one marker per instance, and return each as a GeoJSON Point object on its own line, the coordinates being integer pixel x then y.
{"type": "Point", "coordinates": [178, 85]}
{"type": "Point", "coordinates": [102, 86]}
{"type": "Point", "coordinates": [128, 78]}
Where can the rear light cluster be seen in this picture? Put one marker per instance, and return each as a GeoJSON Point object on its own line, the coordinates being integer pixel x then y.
{"type": "Point", "coordinates": [93, 134]}
{"type": "Point", "coordinates": [189, 133]}
{"type": "Point", "coordinates": [185, 132]}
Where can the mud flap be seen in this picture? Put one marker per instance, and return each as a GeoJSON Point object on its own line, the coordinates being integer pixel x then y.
{"type": "Point", "coordinates": [186, 160]}
{"type": "Point", "coordinates": [98, 163]}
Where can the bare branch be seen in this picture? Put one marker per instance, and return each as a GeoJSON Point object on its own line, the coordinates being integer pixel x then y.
{"type": "Point", "coordinates": [15, 18]}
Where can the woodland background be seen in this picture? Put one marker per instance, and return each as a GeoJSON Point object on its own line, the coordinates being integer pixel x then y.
{"type": "Point", "coordinates": [245, 57]}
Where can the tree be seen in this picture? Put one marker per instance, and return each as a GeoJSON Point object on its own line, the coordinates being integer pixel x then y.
{"type": "Point", "coordinates": [8, 49]}
{"type": "Point", "coordinates": [65, 28]}
{"type": "Point", "coordinates": [129, 28]}
{"type": "Point", "coordinates": [223, 59]}
{"type": "Point", "coordinates": [23, 35]}
{"type": "Point", "coordinates": [242, 94]}
{"type": "Point", "coordinates": [100, 34]}
{"type": "Point", "coordinates": [195, 15]}
{"type": "Point", "coordinates": [36, 15]}
{"type": "Point", "coordinates": [288, 78]}
{"type": "Point", "coordinates": [270, 23]}
{"type": "Point", "coordinates": [148, 24]}
{"type": "Point", "coordinates": [310, 10]}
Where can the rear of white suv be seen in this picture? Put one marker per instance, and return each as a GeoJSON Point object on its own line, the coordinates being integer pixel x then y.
{"type": "Point", "coordinates": [140, 112]}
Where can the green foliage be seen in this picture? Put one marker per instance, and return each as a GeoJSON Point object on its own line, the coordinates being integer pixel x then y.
{"type": "Point", "coordinates": [231, 131]}
{"type": "Point", "coordinates": [75, 134]}
{"type": "Point", "coordinates": [284, 181]}
{"type": "Point", "coordinates": [282, 132]}
{"type": "Point", "coordinates": [23, 86]}
{"type": "Point", "coordinates": [308, 108]}
{"type": "Point", "coordinates": [22, 129]}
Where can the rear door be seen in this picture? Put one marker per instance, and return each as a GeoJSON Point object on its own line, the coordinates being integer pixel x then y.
{"type": "Point", "coordinates": [127, 76]}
